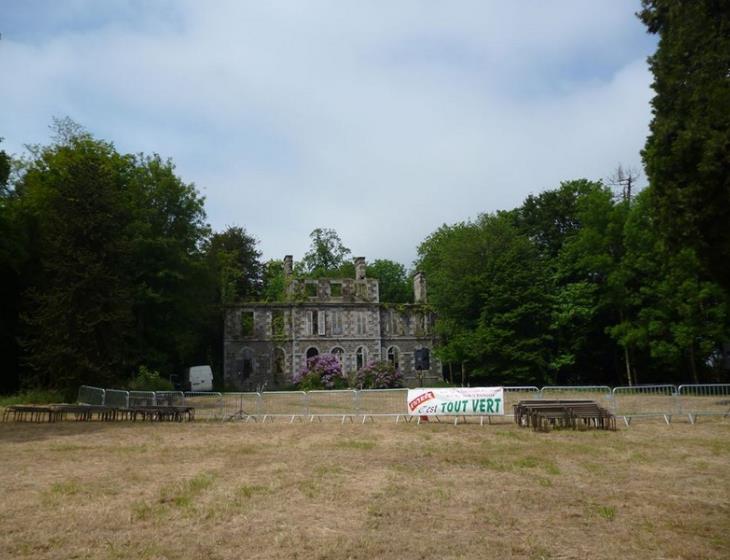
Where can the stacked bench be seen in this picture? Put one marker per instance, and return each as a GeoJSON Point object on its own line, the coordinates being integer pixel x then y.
{"type": "Point", "coordinates": [30, 413]}
{"type": "Point", "coordinates": [544, 414]}
{"type": "Point", "coordinates": [89, 412]}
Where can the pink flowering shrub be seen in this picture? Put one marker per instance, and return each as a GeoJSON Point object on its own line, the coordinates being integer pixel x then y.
{"type": "Point", "coordinates": [322, 371]}
{"type": "Point", "coordinates": [379, 375]}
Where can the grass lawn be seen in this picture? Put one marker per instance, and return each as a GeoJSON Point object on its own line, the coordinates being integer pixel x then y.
{"type": "Point", "coordinates": [380, 490]}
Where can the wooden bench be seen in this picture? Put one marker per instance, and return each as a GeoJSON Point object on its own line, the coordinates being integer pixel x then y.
{"type": "Point", "coordinates": [162, 413]}
{"type": "Point", "coordinates": [543, 415]}
{"type": "Point", "coordinates": [90, 412]}
{"type": "Point", "coordinates": [30, 413]}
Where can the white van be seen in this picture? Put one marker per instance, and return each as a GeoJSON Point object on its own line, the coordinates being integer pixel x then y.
{"type": "Point", "coordinates": [199, 378]}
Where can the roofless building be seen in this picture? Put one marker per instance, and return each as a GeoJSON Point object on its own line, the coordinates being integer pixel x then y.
{"type": "Point", "coordinates": [265, 343]}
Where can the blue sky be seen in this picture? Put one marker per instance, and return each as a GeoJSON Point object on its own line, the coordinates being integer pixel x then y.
{"type": "Point", "coordinates": [382, 120]}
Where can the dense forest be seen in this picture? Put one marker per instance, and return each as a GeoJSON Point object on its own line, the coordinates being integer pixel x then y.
{"type": "Point", "coordinates": [108, 266]}
{"type": "Point", "coordinates": [575, 286]}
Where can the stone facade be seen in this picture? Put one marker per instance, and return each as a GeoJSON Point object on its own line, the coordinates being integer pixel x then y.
{"type": "Point", "coordinates": [266, 343]}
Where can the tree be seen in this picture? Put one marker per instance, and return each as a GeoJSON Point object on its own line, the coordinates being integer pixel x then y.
{"type": "Point", "coordinates": [168, 275]}
{"type": "Point", "coordinates": [4, 169]}
{"type": "Point", "coordinates": [274, 281]}
{"type": "Point", "coordinates": [114, 276]}
{"type": "Point", "coordinates": [551, 217]}
{"type": "Point", "coordinates": [674, 316]}
{"type": "Point", "coordinates": [233, 256]}
{"type": "Point", "coordinates": [326, 254]}
{"type": "Point", "coordinates": [687, 153]}
{"type": "Point", "coordinates": [625, 179]}
{"type": "Point", "coordinates": [573, 228]}
{"type": "Point", "coordinates": [489, 288]}
{"type": "Point", "coordinates": [588, 265]}
{"type": "Point", "coordinates": [236, 274]}
{"type": "Point", "coordinates": [78, 312]}
{"type": "Point", "coordinates": [13, 256]}
{"type": "Point", "coordinates": [393, 281]}
{"type": "Point", "coordinates": [513, 332]}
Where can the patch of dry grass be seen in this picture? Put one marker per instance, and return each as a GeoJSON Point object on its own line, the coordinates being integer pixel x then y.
{"type": "Point", "coordinates": [331, 491]}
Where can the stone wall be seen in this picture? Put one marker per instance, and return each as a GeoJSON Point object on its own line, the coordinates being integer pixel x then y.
{"type": "Point", "coordinates": [253, 337]}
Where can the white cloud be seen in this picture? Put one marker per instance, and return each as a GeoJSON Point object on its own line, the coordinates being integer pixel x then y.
{"type": "Point", "coordinates": [382, 120]}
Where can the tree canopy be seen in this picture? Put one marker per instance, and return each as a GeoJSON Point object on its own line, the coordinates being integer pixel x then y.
{"type": "Point", "coordinates": [108, 260]}
{"type": "Point", "coordinates": [326, 253]}
{"type": "Point", "coordinates": [575, 286]}
{"type": "Point", "coordinates": [687, 153]}
{"type": "Point", "coordinates": [393, 280]}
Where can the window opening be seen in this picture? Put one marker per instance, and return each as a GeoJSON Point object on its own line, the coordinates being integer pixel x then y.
{"type": "Point", "coordinates": [337, 322]}
{"type": "Point", "coordinates": [247, 323]}
{"type": "Point", "coordinates": [393, 356]}
{"type": "Point", "coordinates": [311, 288]}
{"type": "Point", "coordinates": [361, 320]}
{"type": "Point", "coordinates": [277, 323]}
{"type": "Point", "coordinates": [279, 361]}
{"type": "Point", "coordinates": [360, 358]}
{"type": "Point", "coordinates": [321, 328]}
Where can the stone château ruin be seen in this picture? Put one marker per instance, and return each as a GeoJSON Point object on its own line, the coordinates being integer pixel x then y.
{"type": "Point", "coordinates": [266, 343]}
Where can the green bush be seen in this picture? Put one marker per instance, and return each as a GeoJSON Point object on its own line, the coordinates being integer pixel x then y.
{"type": "Point", "coordinates": [33, 396]}
{"type": "Point", "coordinates": [149, 380]}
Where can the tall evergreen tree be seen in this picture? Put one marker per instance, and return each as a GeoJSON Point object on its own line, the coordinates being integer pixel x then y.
{"type": "Point", "coordinates": [675, 318]}
{"type": "Point", "coordinates": [687, 153]}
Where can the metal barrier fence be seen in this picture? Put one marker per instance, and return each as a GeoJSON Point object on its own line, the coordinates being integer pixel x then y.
{"type": "Point", "coordinates": [208, 406]}
{"type": "Point", "coordinates": [382, 402]}
{"type": "Point", "coordinates": [142, 398]}
{"type": "Point", "coordinates": [704, 400]}
{"type": "Point", "coordinates": [513, 395]}
{"type": "Point", "coordinates": [169, 398]}
{"type": "Point", "coordinates": [600, 393]}
{"type": "Point", "coordinates": [90, 395]}
{"type": "Point", "coordinates": [663, 401]}
{"type": "Point", "coordinates": [340, 403]}
{"type": "Point", "coordinates": [116, 398]}
{"type": "Point", "coordinates": [645, 400]}
{"type": "Point", "coordinates": [291, 404]}
{"type": "Point", "coordinates": [241, 406]}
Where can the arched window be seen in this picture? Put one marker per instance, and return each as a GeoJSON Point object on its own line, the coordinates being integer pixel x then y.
{"type": "Point", "coordinates": [340, 354]}
{"type": "Point", "coordinates": [361, 357]}
{"type": "Point", "coordinates": [279, 366]}
{"type": "Point", "coordinates": [244, 363]}
{"type": "Point", "coordinates": [311, 352]}
{"type": "Point", "coordinates": [394, 356]}
{"type": "Point", "coordinates": [279, 361]}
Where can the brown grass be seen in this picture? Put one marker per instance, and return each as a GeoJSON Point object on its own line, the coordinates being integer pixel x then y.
{"type": "Point", "coordinates": [328, 491]}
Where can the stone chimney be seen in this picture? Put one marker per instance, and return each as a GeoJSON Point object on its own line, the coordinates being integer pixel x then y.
{"type": "Point", "coordinates": [419, 287]}
{"type": "Point", "coordinates": [360, 268]}
{"type": "Point", "coordinates": [288, 265]}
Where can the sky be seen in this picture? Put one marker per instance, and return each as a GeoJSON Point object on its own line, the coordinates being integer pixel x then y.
{"type": "Point", "coordinates": [382, 120]}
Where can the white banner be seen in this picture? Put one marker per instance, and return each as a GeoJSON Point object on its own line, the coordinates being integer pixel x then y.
{"type": "Point", "coordinates": [468, 401]}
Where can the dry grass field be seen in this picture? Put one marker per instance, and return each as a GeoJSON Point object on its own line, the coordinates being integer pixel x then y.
{"type": "Point", "coordinates": [331, 491]}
